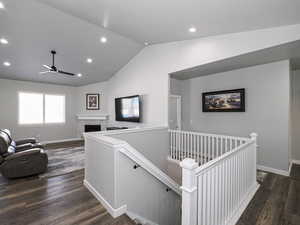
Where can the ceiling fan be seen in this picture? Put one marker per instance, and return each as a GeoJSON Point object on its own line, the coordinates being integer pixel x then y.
{"type": "Point", "coordinates": [53, 68]}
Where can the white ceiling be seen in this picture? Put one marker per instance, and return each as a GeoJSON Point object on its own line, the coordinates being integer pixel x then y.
{"type": "Point", "coordinates": [278, 53]}
{"type": "Point", "coordinates": [157, 21]}
{"type": "Point", "coordinates": [73, 28]}
{"type": "Point", "coordinates": [33, 29]}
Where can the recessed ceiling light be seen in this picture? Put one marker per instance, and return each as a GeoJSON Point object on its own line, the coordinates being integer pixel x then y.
{"type": "Point", "coordinates": [3, 41]}
{"type": "Point", "coordinates": [103, 39]}
{"type": "Point", "coordinates": [6, 64]}
{"type": "Point", "coordinates": [2, 5]}
{"type": "Point", "coordinates": [192, 29]}
{"type": "Point", "coordinates": [89, 60]}
{"type": "Point", "coordinates": [79, 75]}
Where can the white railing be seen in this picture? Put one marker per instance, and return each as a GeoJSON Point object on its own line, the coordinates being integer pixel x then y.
{"type": "Point", "coordinates": [200, 146]}
{"type": "Point", "coordinates": [116, 163]}
{"type": "Point", "coordinates": [217, 192]}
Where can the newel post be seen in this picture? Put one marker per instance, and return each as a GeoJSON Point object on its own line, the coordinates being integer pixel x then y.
{"type": "Point", "coordinates": [189, 192]}
{"type": "Point", "coordinates": [254, 137]}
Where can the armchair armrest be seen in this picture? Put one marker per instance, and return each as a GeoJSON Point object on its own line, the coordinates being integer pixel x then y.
{"type": "Point", "coordinates": [23, 154]}
{"type": "Point", "coordinates": [23, 147]}
{"type": "Point", "coordinates": [25, 141]}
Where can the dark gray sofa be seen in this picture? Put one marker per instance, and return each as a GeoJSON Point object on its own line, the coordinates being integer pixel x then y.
{"type": "Point", "coordinates": [21, 158]}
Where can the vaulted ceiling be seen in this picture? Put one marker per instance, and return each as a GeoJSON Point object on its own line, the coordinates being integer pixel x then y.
{"type": "Point", "coordinates": [74, 28]}
{"type": "Point", "coordinates": [33, 29]}
{"type": "Point", "coordinates": [157, 21]}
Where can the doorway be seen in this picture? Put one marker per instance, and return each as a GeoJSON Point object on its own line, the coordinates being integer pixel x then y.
{"type": "Point", "coordinates": [175, 112]}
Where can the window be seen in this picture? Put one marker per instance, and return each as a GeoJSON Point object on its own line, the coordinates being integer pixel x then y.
{"type": "Point", "coordinates": [54, 109]}
{"type": "Point", "coordinates": [31, 108]}
{"type": "Point", "coordinates": [37, 108]}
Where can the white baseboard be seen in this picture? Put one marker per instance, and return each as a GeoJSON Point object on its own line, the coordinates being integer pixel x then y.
{"type": "Point", "coordinates": [290, 167]}
{"type": "Point", "coordinates": [134, 216]}
{"type": "Point", "coordinates": [294, 161]}
{"type": "Point", "coordinates": [234, 219]}
{"type": "Point", "coordinates": [61, 141]}
{"type": "Point", "coordinates": [272, 170]}
{"type": "Point", "coordinates": [112, 211]}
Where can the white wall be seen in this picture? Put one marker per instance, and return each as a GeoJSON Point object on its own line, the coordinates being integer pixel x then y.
{"type": "Point", "coordinates": [176, 87]}
{"type": "Point", "coordinates": [147, 73]}
{"type": "Point", "coordinates": [9, 110]}
{"type": "Point", "coordinates": [267, 109]}
{"type": "Point", "coordinates": [295, 120]}
{"type": "Point", "coordinates": [98, 88]}
{"type": "Point", "coordinates": [156, 148]}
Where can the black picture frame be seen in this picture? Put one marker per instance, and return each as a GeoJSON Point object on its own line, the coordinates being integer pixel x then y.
{"type": "Point", "coordinates": [92, 101]}
{"type": "Point", "coordinates": [211, 101]}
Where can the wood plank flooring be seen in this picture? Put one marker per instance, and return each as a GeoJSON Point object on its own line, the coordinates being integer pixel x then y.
{"type": "Point", "coordinates": [63, 200]}
{"type": "Point", "coordinates": [277, 202]}
{"type": "Point", "coordinates": [60, 200]}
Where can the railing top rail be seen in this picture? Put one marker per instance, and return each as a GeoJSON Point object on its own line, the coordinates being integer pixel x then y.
{"type": "Point", "coordinates": [129, 130]}
{"type": "Point", "coordinates": [201, 169]}
{"type": "Point", "coordinates": [209, 134]}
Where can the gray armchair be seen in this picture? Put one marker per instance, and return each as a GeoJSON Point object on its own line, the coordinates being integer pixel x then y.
{"type": "Point", "coordinates": [21, 158]}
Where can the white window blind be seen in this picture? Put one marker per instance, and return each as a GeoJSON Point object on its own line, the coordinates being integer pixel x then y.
{"type": "Point", "coordinates": [54, 109]}
{"type": "Point", "coordinates": [38, 108]}
{"type": "Point", "coordinates": [31, 108]}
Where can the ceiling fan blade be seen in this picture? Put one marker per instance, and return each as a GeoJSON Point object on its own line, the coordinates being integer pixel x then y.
{"type": "Point", "coordinates": [66, 73]}
{"type": "Point", "coordinates": [47, 67]}
{"type": "Point", "coordinates": [42, 72]}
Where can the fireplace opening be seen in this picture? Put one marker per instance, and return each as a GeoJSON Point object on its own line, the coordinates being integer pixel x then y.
{"type": "Point", "coordinates": [92, 128]}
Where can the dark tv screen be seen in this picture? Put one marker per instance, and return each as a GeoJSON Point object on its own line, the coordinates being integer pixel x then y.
{"type": "Point", "coordinates": [128, 108]}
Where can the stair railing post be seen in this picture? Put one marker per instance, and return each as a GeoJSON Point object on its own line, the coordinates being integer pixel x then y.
{"type": "Point", "coordinates": [189, 192]}
{"type": "Point", "coordinates": [254, 137]}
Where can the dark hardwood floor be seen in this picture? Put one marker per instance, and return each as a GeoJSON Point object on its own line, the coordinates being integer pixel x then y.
{"type": "Point", "coordinates": [277, 202]}
{"type": "Point", "coordinates": [63, 200]}
{"type": "Point", "coordinates": [59, 200]}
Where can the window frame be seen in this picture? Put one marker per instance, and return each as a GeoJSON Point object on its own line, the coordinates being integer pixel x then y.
{"type": "Point", "coordinates": [64, 110]}
{"type": "Point", "coordinates": [43, 123]}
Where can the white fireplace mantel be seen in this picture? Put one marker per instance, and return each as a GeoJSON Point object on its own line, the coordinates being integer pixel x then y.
{"type": "Point", "coordinates": [87, 119]}
{"type": "Point", "coordinates": [92, 117]}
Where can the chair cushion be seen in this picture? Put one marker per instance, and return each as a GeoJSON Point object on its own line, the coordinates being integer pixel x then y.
{"type": "Point", "coordinates": [5, 142]}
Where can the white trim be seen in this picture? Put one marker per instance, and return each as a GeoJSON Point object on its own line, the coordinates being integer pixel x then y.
{"type": "Point", "coordinates": [105, 136]}
{"type": "Point", "coordinates": [134, 216]}
{"type": "Point", "coordinates": [92, 117]}
{"type": "Point", "coordinates": [169, 158]}
{"type": "Point", "coordinates": [106, 140]}
{"type": "Point", "coordinates": [133, 130]}
{"type": "Point", "coordinates": [290, 167]}
{"type": "Point", "coordinates": [272, 170]}
{"type": "Point", "coordinates": [61, 141]}
{"type": "Point", "coordinates": [179, 119]}
{"type": "Point", "coordinates": [233, 220]}
{"type": "Point", "coordinates": [295, 161]}
{"type": "Point", "coordinates": [112, 211]}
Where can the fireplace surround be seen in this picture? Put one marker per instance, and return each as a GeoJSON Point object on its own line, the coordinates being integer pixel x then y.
{"type": "Point", "coordinates": [92, 127]}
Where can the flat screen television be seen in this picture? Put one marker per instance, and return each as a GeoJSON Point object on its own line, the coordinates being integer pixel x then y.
{"type": "Point", "coordinates": [128, 108]}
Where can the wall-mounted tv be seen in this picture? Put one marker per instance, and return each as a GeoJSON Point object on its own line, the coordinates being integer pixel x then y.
{"type": "Point", "coordinates": [224, 101]}
{"type": "Point", "coordinates": [128, 108]}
